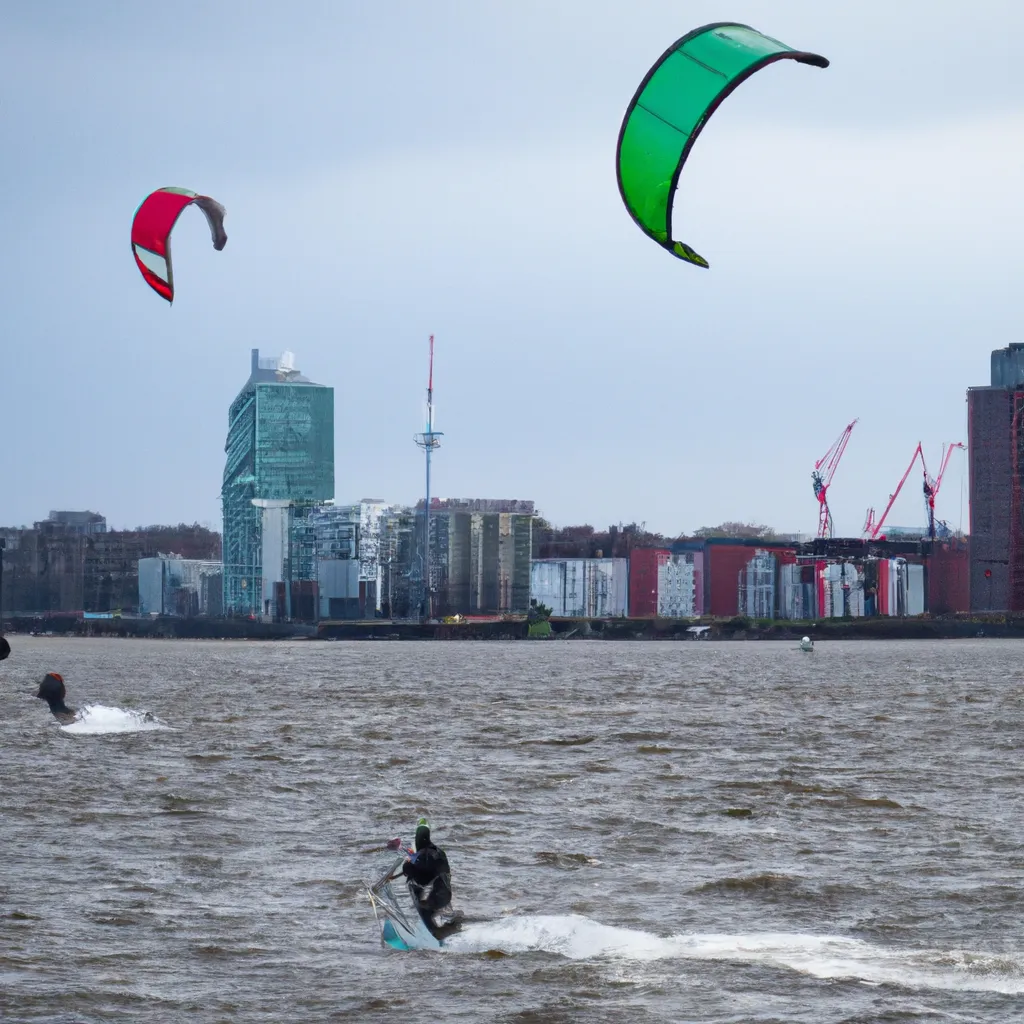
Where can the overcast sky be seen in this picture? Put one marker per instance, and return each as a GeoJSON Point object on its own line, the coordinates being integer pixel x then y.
{"type": "Point", "coordinates": [401, 169]}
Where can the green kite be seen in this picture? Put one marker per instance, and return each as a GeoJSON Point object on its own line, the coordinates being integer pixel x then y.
{"type": "Point", "coordinates": [672, 105]}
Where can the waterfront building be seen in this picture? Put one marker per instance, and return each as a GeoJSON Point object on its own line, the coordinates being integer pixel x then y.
{"type": "Point", "coordinates": [480, 552]}
{"type": "Point", "coordinates": [666, 584]}
{"type": "Point", "coordinates": [72, 565]}
{"type": "Point", "coordinates": [348, 540]}
{"type": "Point", "coordinates": [479, 562]}
{"type": "Point", "coordinates": [83, 524]}
{"type": "Point", "coordinates": [995, 445]}
{"type": "Point", "coordinates": [172, 585]}
{"type": "Point", "coordinates": [279, 467]}
{"type": "Point", "coordinates": [591, 588]}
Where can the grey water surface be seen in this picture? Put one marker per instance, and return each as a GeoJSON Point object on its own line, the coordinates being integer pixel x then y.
{"type": "Point", "coordinates": [677, 831]}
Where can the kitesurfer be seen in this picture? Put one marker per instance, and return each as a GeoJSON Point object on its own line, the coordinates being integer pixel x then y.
{"type": "Point", "coordinates": [52, 690]}
{"type": "Point", "coordinates": [430, 882]}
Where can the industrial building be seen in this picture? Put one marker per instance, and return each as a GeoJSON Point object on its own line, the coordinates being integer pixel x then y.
{"type": "Point", "coordinates": [400, 560]}
{"type": "Point", "coordinates": [667, 584]}
{"type": "Point", "coordinates": [288, 560]}
{"type": "Point", "coordinates": [844, 578]}
{"type": "Point", "coordinates": [995, 439]}
{"type": "Point", "coordinates": [71, 562]}
{"type": "Point", "coordinates": [85, 524]}
{"type": "Point", "coordinates": [370, 558]}
{"type": "Point", "coordinates": [816, 587]}
{"type": "Point", "coordinates": [348, 557]}
{"type": "Point", "coordinates": [172, 585]}
{"type": "Point", "coordinates": [726, 559]}
{"type": "Point", "coordinates": [824, 578]}
{"type": "Point", "coordinates": [479, 557]}
{"type": "Point", "coordinates": [480, 552]}
{"type": "Point", "coordinates": [279, 466]}
{"type": "Point", "coordinates": [336, 533]}
{"type": "Point", "coordinates": [948, 588]}
{"type": "Point", "coordinates": [581, 587]}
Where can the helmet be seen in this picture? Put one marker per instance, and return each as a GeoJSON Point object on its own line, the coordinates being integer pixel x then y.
{"type": "Point", "coordinates": [422, 833]}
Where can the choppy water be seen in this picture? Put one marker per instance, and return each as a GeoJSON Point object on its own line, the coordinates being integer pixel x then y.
{"type": "Point", "coordinates": [732, 832]}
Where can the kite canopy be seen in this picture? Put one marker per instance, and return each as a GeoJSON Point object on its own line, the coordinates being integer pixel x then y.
{"type": "Point", "coordinates": [151, 229]}
{"type": "Point", "coordinates": [672, 105]}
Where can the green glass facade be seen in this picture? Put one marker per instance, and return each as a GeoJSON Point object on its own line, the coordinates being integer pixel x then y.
{"type": "Point", "coordinates": [280, 446]}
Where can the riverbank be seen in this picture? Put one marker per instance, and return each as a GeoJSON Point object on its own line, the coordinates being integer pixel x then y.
{"type": "Point", "coordinates": [739, 628]}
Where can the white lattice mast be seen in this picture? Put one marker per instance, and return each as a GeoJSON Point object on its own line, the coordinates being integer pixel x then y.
{"type": "Point", "coordinates": [428, 441]}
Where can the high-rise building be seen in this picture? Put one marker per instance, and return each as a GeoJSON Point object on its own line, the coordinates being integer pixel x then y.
{"type": "Point", "coordinates": [995, 442]}
{"type": "Point", "coordinates": [279, 465]}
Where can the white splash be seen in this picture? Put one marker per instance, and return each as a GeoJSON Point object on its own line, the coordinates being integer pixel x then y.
{"type": "Point", "coordinates": [820, 956]}
{"type": "Point", "coordinates": [97, 720]}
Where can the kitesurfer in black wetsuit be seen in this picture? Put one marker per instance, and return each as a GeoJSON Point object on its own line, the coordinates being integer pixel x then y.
{"type": "Point", "coordinates": [430, 881]}
{"type": "Point", "coordinates": [52, 690]}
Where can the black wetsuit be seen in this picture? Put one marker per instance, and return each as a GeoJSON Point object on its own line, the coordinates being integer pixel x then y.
{"type": "Point", "coordinates": [61, 711]}
{"type": "Point", "coordinates": [430, 882]}
{"type": "Point", "coordinates": [51, 689]}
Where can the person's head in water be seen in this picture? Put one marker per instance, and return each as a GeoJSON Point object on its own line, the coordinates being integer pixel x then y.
{"type": "Point", "coordinates": [53, 691]}
{"type": "Point", "coordinates": [52, 687]}
{"type": "Point", "coordinates": [422, 834]}
{"type": "Point", "coordinates": [5, 648]}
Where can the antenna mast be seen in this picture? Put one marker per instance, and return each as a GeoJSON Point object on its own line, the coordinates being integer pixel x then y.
{"type": "Point", "coordinates": [428, 441]}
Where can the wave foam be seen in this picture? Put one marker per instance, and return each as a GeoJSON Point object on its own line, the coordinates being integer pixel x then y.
{"type": "Point", "coordinates": [820, 956]}
{"type": "Point", "coordinates": [97, 720]}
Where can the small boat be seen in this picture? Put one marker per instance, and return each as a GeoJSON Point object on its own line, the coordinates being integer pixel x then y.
{"type": "Point", "coordinates": [806, 644]}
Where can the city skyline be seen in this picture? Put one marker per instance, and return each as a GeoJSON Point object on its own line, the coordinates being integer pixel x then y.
{"type": "Point", "coordinates": [861, 231]}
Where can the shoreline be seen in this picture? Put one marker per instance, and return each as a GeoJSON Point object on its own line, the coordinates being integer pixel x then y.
{"type": "Point", "coordinates": [675, 630]}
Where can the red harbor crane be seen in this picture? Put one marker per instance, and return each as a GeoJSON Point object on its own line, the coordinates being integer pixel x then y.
{"type": "Point", "coordinates": [873, 527]}
{"type": "Point", "coordinates": [931, 487]}
{"type": "Point", "coordinates": [824, 469]}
